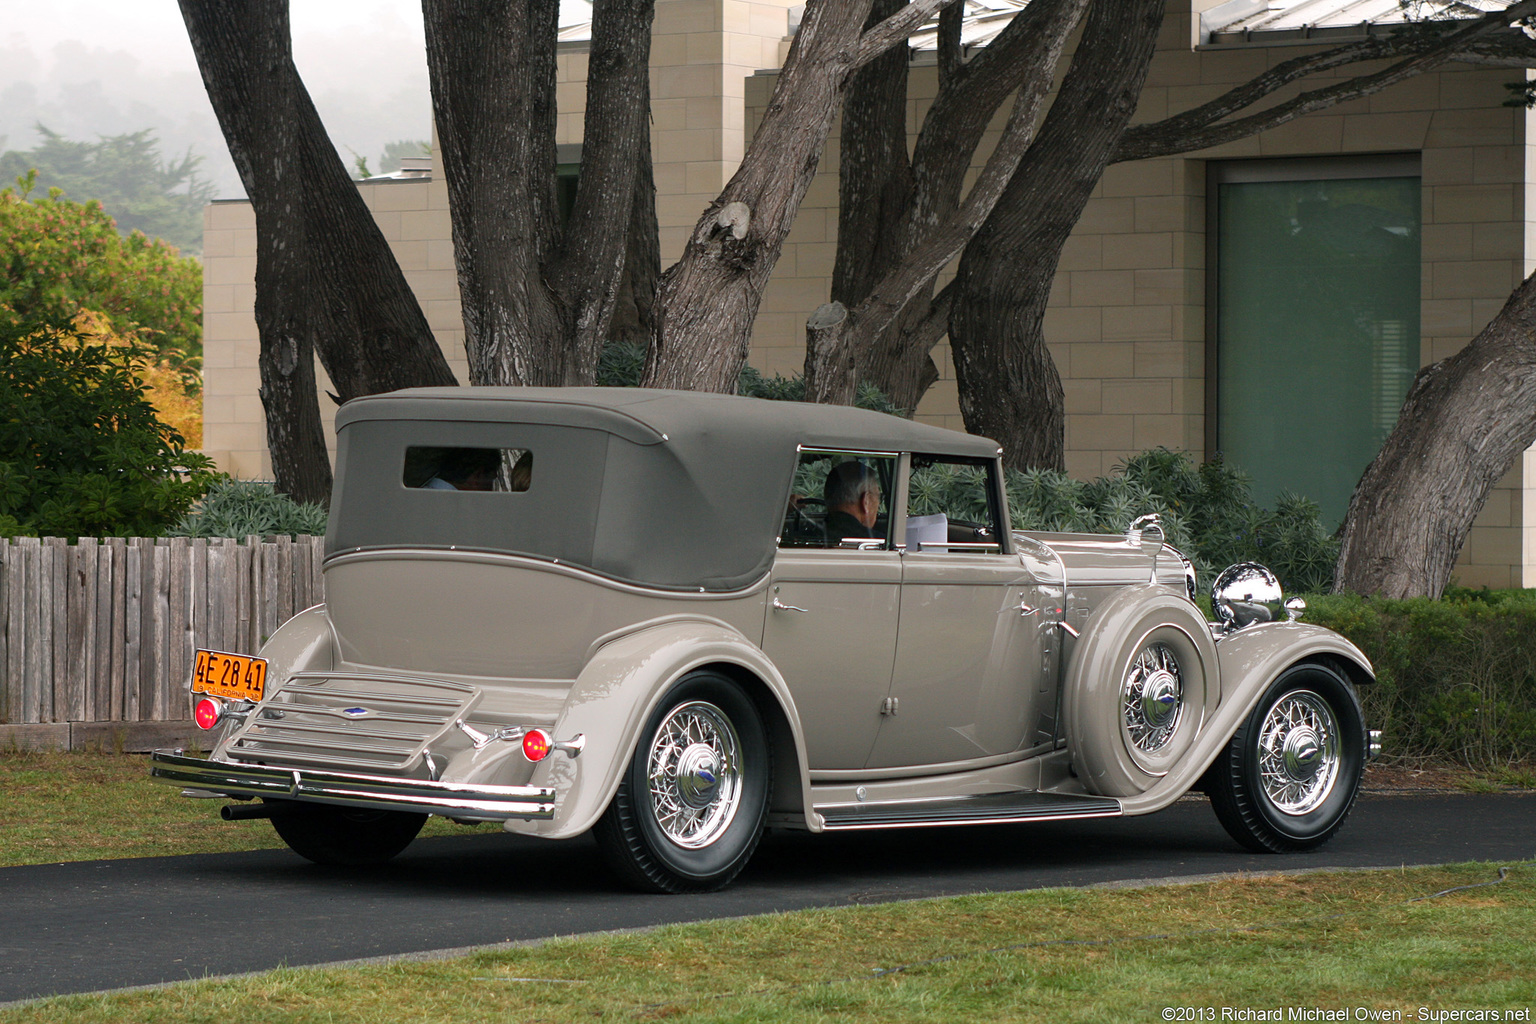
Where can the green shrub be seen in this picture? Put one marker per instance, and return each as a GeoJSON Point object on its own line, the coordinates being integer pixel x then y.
{"type": "Point", "coordinates": [621, 365]}
{"type": "Point", "coordinates": [243, 508]}
{"type": "Point", "coordinates": [1208, 513]}
{"type": "Point", "coordinates": [60, 257]}
{"type": "Point", "coordinates": [81, 450]}
{"type": "Point", "coordinates": [1455, 678]}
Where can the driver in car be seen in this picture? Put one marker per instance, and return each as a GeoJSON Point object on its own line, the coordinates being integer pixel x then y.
{"type": "Point", "coordinates": [852, 496]}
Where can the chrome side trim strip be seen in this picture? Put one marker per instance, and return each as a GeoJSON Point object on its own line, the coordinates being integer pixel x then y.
{"type": "Point", "coordinates": [836, 826]}
{"type": "Point", "coordinates": [376, 792]}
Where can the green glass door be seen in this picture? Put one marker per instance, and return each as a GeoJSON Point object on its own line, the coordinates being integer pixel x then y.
{"type": "Point", "coordinates": [1317, 328]}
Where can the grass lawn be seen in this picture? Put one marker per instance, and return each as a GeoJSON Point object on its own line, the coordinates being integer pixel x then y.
{"type": "Point", "coordinates": [1351, 941]}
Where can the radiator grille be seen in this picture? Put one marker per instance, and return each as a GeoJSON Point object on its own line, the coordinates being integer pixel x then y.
{"type": "Point", "coordinates": [380, 723]}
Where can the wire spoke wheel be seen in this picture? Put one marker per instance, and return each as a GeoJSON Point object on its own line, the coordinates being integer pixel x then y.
{"type": "Point", "coordinates": [1291, 773]}
{"type": "Point", "coordinates": [690, 807]}
{"type": "Point", "coordinates": [694, 768]}
{"type": "Point", "coordinates": [1299, 752]}
{"type": "Point", "coordinates": [1152, 698]}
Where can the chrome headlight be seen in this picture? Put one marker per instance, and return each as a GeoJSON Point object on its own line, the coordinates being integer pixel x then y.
{"type": "Point", "coordinates": [1246, 593]}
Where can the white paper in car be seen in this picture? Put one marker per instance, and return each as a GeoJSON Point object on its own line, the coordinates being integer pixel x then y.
{"type": "Point", "coordinates": [928, 533]}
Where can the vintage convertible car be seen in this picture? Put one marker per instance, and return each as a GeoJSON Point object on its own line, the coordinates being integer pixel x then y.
{"type": "Point", "coordinates": [675, 619]}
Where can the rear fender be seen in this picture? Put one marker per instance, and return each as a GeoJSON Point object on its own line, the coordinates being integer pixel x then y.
{"type": "Point", "coordinates": [619, 687]}
{"type": "Point", "coordinates": [1251, 659]}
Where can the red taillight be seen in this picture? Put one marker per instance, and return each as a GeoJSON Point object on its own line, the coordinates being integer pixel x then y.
{"type": "Point", "coordinates": [208, 712]}
{"type": "Point", "coordinates": [535, 744]}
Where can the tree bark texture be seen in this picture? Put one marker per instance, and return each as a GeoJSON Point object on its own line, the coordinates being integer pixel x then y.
{"type": "Point", "coordinates": [938, 227]}
{"type": "Point", "coordinates": [874, 174]}
{"type": "Point", "coordinates": [1466, 420]}
{"type": "Point", "coordinates": [892, 320]}
{"type": "Point", "coordinates": [326, 281]}
{"type": "Point", "coordinates": [634, 317]}
{"type": "Point", "coordinates": [538, 297]}
{"type": "Point", "coordinates": [244, 56]}
{"type": "Point", "coordinates": [829, 376]}
{"type": "Point", "coordinates": [709, 299]}
{"type": "Point", "coordinates": [1010, 389]}
{"type": "Point", "coordinates": [353, 300]}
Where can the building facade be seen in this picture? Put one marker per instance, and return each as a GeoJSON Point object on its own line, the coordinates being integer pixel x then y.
{"type": "Point", "coordinates": [1270, 299]}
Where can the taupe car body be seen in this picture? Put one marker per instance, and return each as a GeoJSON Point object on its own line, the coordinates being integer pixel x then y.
{"type": "Point", "coordinates": [648, 570]}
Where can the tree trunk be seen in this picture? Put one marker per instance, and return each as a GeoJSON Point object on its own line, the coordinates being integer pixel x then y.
{"type": "Point", "coordinates": [538, 297]}
{"type": "Point", "coordinates": [1010, 390]}
{"type": "Point", "coordinates": [829, 376]}
{"type": "Point", "coordinates": [709, 299]}
{"type": "Point", "coordinates": [369, 330]}
{"type": "Point", "coordinates": [874, 175]}
{"type": "Point", "coordinates": [243, 53]}
{"type": "Point", "coordinates": [326, 281]}
{"type": "Point", "coordinates": [634, 319]}
{"type": "Point", "coordinates": [1466, 420]}
{"type": "Point", "coordinates": [938, 230]}
{"type": "Point", "coordinates": [893, 240]}
{"type": "Point", "coordinates": [492, 69]}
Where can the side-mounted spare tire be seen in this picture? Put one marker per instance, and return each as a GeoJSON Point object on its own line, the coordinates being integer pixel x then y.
{"type": "Point", "coordinates": [691, 805]}
{"type": "Point", "coordinates": [1290, 776]}
{"type": "Point", "coordinates": [1141, 681]}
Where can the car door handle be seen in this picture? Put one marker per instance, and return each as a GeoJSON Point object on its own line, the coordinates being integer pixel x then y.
{"type": "Point", "coordinates": [780, 606]}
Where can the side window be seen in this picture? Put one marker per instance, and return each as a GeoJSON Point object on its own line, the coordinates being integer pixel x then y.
{"type": "Point", "coordinates": [840, 500]}
{"type": "Point", "coordinates": [468, 469]}
{"type": "Point", "coordinates": [951, 505]}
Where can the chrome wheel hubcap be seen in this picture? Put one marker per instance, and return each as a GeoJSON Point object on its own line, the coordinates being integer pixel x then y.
{"type": "Point", "coordinates": [1152, 698]}
{"type": "Point", "coordinates": [694, 769]}
{"type": "Point", "coordinates": [1299, 752]}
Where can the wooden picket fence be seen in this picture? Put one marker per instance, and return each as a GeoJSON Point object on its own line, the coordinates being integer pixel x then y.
{"type": "Point", "coordinates": [106, 630]}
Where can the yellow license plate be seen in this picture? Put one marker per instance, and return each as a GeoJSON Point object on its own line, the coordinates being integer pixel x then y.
{"type": "Point", "coordinates": [235, 676]}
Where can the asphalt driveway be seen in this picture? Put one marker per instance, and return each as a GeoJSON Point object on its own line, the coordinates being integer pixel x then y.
{"type": "Point", "coordinates": [109, 924]}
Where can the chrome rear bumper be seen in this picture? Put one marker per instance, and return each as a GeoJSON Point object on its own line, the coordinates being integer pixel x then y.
{"type": "Point", "coordinates": [450, 799]}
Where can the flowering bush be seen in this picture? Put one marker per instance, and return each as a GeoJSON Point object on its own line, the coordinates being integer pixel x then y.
{"type": "Point", "coordinates": [59, 257]}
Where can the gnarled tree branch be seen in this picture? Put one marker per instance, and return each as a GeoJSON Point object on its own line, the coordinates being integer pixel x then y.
{"type": "Point", "coordinates": [1203, 126]}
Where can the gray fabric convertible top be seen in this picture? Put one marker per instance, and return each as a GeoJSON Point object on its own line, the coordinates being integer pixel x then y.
{"type": "Point", "coordinates": [673, 489]}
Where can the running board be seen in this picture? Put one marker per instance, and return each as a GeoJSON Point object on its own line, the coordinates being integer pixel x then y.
{"type": "Point", "coordinates": [989, 809]}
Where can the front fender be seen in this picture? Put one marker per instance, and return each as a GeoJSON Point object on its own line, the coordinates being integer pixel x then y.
{"type": "Point", "coordinates": [617, 690]}
{"type": "Point", "coordinates": [1250, 659]}
{"type": "Point", "coordinates": [1261, 652]}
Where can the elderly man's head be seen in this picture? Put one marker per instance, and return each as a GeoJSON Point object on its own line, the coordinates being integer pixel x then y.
{"type": "Point", "coordinates": [854, 488]}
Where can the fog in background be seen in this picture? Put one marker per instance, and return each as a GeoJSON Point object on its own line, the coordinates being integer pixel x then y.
{"type": "Point", "coordinates": [105, 67]}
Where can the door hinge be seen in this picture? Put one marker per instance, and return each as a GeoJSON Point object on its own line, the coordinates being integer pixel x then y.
{"type": "Point", "coordinates": [889, 706]}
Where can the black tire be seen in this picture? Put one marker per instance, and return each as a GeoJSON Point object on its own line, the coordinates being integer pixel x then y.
{"type": "Point", "coordinates": [694, 830]}
{"type": "Point", "coordinates": [345, 836]}
{"type": "Point", "coordinates": [1309, 731]}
